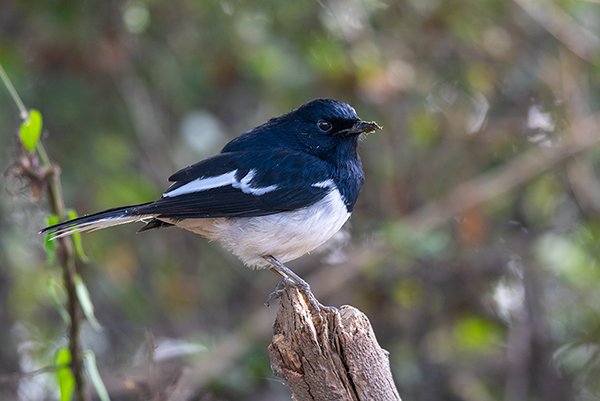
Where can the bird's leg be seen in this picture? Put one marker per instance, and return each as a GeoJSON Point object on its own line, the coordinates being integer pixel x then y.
{"type": "Point", "coordinates": [291, 279]}
{"type": "Point", "coordinates": [286, 272]}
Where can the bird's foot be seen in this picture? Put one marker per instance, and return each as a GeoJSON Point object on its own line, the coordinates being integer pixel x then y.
{"type": "Point", "coordinates": [302, 287]}
{"type": "Point", "coordinates": [318, 306]}
{"type": "Point", "coordinates": [278, 291]}
{"type": "Point", "coordinates": [291, 279]}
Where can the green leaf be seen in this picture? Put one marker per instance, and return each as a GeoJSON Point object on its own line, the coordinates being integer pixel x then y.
{"type": "Point", "coordinates": [57, 294]}
{"type": "Point", "coordinates": [31, 130]}
{"type": "Point", "coordinates": [49, 244]}
{"type": "Point", "coordinates": [476, 334]}
{"type": "Point", "coordinates": [86, 303]}
{"type": "Point", "coordinates": [423, 129]}
{"type": "Point", "coordinates": [64, 376]}
{"type": "Point", "coordinates": [72, 214]}
{"type": "Point", "coordinates": [92, 369]}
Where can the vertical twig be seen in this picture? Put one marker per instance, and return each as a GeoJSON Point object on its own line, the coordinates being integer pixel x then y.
{"type": "Point", "coordinates": [49, 174]}
{"type": "Point", "coordinates": [152, 371]}
{"type": "Point", "coordinates": [66, 257]}
{"type": "Point", "coordinates": [13, 93]}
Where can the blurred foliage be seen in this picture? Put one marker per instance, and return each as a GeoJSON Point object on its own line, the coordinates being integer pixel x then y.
{"type": "Point", "coordinates": [497, 301]}
{"type": "Point", "coordinates": [31, 130]}
{"type": "Point", "coordinates": [66, 381]}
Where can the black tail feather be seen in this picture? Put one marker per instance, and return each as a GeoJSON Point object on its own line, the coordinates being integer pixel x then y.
{"type": "Point", "coordinates": [97, 221]}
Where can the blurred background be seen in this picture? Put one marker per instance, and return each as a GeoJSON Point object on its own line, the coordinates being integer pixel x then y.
{"type": "Point", "coordinates": [473, 248]}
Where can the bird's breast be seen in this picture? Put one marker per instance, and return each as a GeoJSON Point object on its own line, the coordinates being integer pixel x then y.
{"type": "Point", "coordinates": [286, 235]}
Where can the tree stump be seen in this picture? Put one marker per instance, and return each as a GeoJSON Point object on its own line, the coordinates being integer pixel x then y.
{"type": "Point", "coordinates": [328, 354]}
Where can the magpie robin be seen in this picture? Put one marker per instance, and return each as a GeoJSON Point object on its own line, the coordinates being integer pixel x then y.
{"type": "Point", "coordinates": [273, 194]}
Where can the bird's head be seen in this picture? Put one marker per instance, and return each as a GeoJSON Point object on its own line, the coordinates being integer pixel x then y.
{"type": "Point", "coordinates": [326, 127]}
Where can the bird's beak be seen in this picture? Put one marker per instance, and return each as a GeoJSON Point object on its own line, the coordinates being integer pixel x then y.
{"type": "Point", "coordinates": [361, 127]}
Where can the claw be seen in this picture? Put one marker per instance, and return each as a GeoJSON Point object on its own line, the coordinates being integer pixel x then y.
{"type": "Point", "coordinates": [278, 291]}
{"type": "Point", "coordinates": [291, 279]}
{"type": "Point", "coordinates": [305, 288]}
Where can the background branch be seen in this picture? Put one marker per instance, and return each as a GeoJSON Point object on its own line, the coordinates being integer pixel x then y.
{"type": "Point", "coordinates": [518, 171]}
{"type": "Point", "coordinates": [66, 258]}
{"type": "Point", "coordinates": [41, 172]}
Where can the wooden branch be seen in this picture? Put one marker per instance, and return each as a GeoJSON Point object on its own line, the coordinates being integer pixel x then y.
{"type": "Point", "coordinates": [328, 354]}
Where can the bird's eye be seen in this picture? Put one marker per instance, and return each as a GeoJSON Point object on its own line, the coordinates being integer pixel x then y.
{"type": "Point", "coordinates": [324, 125]}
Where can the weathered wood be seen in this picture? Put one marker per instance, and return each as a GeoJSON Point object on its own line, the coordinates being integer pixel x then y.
{"type": "Point", "coordinates": [328, 354]}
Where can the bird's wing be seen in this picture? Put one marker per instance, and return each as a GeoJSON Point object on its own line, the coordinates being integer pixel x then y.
{"type": "Point", "coordinates": [243, 184]}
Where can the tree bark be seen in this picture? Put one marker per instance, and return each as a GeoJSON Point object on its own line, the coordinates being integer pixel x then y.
{"type": "Point", "coordinates": [328, 354]}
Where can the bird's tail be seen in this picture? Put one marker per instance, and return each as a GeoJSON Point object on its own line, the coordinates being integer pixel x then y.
{"type": "Point", "coordinates": [98, 221]}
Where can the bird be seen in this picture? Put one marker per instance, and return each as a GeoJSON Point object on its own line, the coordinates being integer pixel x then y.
{"type": "Point", "coordinates": [272, 194]}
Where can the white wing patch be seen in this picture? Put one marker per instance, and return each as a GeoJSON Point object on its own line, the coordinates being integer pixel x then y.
{"type": "Point", "coordinates": [244, 185]}
{"type": "Point", "coordinates": [324, 184]}
{"type": "Point", "coordinates": [203, 184]}
{"type": "Point", "coordinates": [206, 183]}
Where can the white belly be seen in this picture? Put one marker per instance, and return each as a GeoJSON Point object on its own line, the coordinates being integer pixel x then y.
{"type": "Point", "coordinates": [286, 236]}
